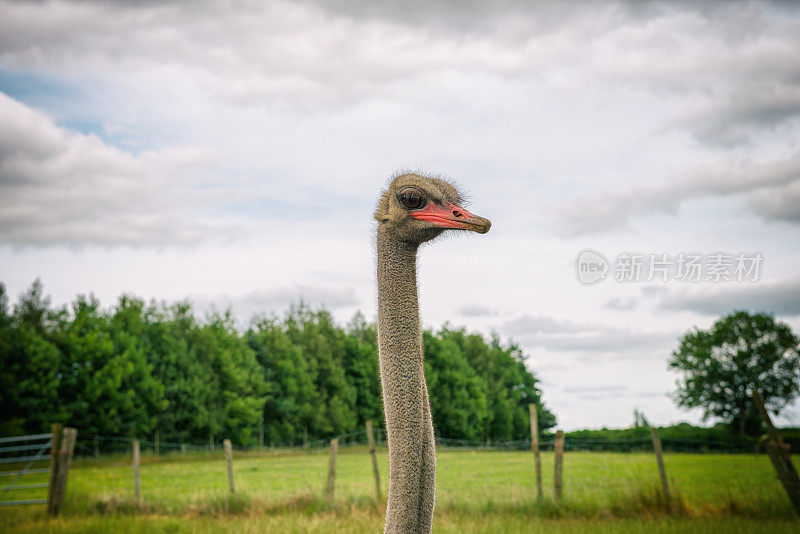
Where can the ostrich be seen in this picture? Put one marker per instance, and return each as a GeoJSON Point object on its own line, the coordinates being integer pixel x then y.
{"type": "Point", "coordinates": [413, 210]}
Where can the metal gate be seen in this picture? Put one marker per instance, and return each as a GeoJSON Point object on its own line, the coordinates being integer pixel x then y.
{"type": "Point", "coordinates": [23, 459]}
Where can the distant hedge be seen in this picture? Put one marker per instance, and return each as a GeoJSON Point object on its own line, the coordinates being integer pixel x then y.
{"type": "Point", "coordinates": [681, 437]}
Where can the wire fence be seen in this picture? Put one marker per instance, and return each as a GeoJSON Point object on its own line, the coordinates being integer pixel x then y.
{"type": "Point", "coordinates": [99, 445]}
{"type": "Point", "coordinates": [591, 479]}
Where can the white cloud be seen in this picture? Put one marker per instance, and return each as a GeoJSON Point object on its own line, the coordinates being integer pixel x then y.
{"type": "Point", "coordinates": [768, 188]}
{"type": "Point", "coordinates": [621, 304]}
{"type": "Point", "coordinates": [591, 340]}
{"type": "Point", "coordinates": [321, 54]}
{"type": "Point", "coordinates": [62, 187]}
{"type": "Point", "coordinates": [277, 300]}
{"type": "Point", "coordinates": [476, 310]}
{"type": "Point", "coordinates": [782, 205]}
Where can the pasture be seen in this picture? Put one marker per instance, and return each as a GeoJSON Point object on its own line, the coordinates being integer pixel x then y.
{"type": "Point", "coordinates": [477, 491]}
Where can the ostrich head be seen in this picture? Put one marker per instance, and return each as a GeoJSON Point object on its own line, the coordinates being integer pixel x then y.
{"type": "Point", "coordinates": [418, 208]}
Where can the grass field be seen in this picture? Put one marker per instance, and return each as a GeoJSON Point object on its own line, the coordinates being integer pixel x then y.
{"type": "Point", "coordinates": [476, 492]}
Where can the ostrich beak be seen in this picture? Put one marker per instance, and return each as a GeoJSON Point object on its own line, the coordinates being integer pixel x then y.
{"type": "Point", "coordinates": [452, 216]}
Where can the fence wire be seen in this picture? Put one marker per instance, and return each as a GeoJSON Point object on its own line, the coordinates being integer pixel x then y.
{"type": "Point", "coordinates": [299, 467]}
{"type": "Point", "coordinates": [102, 445]}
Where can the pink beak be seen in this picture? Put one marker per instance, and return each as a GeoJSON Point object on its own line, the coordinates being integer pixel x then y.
{"type": "Point", "coordinates": [452, 216]}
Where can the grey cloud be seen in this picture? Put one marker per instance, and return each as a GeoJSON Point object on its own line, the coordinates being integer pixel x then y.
{"type": "Point", "coordinates": [734, 120]}
{"type": "Point", "coordinates": [316, 54]}
{"type": "Point", "coordinates": [595, 396]}
{"type": "Point", "coordinates": [767, 188]}
{"type": "Point", "coordinates": [654, 290]}
{"type": "Point", "coordinates": [476, 310]}
{"type": "Point", "coordinates": [589, 339]}
{"type": "Point", "coordinates": [596, 389]}
{"type": "Point", "coordinates": [550, 364]}
{"type": "Point", "coordinates": [61, 187]}
{"type": "Point", "coordinates": [255, 54]}
{"type": "Point", "coordinates": [607, 391]}
{"type": "Point", "coordinates": [781, 298]}
{"type": "Point", "coordinates": [621, 304]}
{"type": "Point", "coordinates": [733, 65]}
{"type": "Point", "coordinates": [472, 15]}
{"type": "Point", "coordinates": [278, 300]}
{"type": "Point", "coordinates": [778, 206]}
{"type": "Point", "coordinates": [528, 325]}
{"type": "Point", "coordinates": [620, 343]}
{"type": "Point", "coordinates": [649, 394]}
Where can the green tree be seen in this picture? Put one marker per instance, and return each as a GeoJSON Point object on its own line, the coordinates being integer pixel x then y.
{"type": "Point", "coordinates": [457, 393]}
{"type": "Point", "coordinates": [29, 364]}
{"type": "Point", "coordinates": [292, 401]}
{"type": "Point", "coordinates": [235, 379]}
{"type": "Point", "coordinates": [720, 367]}
{"type": "Point", "coordinates": [510, 386]}
{"type": "Point", "coordinates": [132, 369]}
{"type": "Point", "coordinates": [169, 334]}
{"type": "Point", "coordinates": [322, 345]}
{"type": "Point", "coordinates": [106, 382]}
{"type": "Point", "coordinates": [361, 369]}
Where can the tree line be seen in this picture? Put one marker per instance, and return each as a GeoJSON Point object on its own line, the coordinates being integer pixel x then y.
{"type": "Point", "coordinates": [138, 367]}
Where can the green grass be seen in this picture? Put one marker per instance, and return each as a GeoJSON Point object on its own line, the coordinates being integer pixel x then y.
{"type": "Point", "coordinates": [476, 492]}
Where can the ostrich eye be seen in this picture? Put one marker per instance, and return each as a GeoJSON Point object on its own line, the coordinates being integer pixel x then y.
{"type": "Point", "coordinates": [411, 198]}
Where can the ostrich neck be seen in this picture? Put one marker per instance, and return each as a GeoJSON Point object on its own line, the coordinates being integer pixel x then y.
{"type": "Point", "coordinates": [405, 397]}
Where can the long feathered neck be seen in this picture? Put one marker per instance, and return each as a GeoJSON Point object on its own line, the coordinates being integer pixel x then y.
{"type": "Point", "coordinates": [412, 468]}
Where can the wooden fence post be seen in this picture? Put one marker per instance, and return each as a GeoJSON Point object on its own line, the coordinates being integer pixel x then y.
{"type": "Point", "coordinates": [261, 437]}
{"type": "Point", "coordinates": [136, 461]}
{"type": "Point", "coordinates": [96, 447]}
{"type": "Point", "coordinates": [660, 459]}
{"type": "Point", "coordinates": [156, 443]}
{"type": "Point", "coordinates": [534, 416]}
{"type": "Point", "coordinates": [332, 470]}
{"type": "Point", "coordinates": [211, 442]}
{"type": "Point", "coordinates": [229, 459]}
{"type": "Point", "coordinates": [183, 448]}
{"type": "Point", "coordinates": [371, 442]}
{"type": "Point", "coordinates": [774, 457]}
{"type": "Point", "coordinates": [305, 438]}
{"type": "Point", "coordinates": [55, 446]}
{"type": "Point", "coordinates": [558, 447]}
{"type": "Point", "coordinates": [779, 454]}
{"type": "Point", "coordinates": [59, 469]}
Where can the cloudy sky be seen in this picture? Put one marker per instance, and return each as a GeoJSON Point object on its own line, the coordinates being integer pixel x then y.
{"type": "Point", "coordinates": [232, 153]}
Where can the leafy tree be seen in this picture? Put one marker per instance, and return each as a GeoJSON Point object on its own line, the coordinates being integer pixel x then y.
{"type": "Point", "coordinates": [457, 393]}
{"type": "Point", "coordinates": [188, 391]}
{"type": "Point", "coordinates": [322, 345]}
{"type": "Point", "coordinates": [720, 367]}
{"type": "Point", "coordinates": [133, 368]}
{"type": "Point", "coordinates": [29, 365]}
{"type": "Point", "coordinates": [639, 419]}
{"type": "Point", "coordinates": [361, 369]}
{"type": "Point", "coordinates": [292, 401]}
{"type": "Point", "coordinates": [106, 380]}
{"type": "Point", "coordinates": [510, 386]}
{"type": "Point", "coordinates": [234, 377]}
